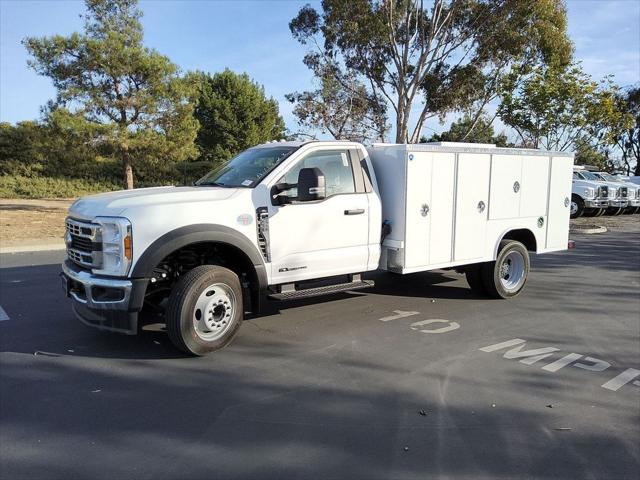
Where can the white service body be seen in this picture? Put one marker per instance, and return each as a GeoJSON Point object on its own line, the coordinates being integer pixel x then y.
{"type": "Point", "coordinates": [451, 204]}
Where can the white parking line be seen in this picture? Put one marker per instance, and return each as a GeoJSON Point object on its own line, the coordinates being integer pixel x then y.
{"type": "Point", "coordinates": [3, 315]}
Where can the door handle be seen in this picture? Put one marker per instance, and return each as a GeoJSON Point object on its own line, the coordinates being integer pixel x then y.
{"type": "Point", "coordinates": [356, 211]}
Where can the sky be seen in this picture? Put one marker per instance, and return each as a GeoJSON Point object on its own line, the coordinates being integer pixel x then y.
{"type": "Point", "coordinates": [253, 36]}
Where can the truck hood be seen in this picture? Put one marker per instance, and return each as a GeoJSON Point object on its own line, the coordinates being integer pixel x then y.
{"type": "Point", "coordinates": [586, 183]}
{"type": "Point", "coordinates": [115, 203]}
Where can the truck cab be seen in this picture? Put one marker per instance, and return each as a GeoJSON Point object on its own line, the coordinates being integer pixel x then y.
{"type": "Point", "coordinates": [588, 197]}
{"type": "Point", "coordinates": [286, 220]}
{"type": "Point", "coordinates": [628, 191]}
{"type": "Point", "coordinates": [616, 202]}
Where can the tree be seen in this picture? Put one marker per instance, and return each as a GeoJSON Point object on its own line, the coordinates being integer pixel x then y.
{"type": "Point", "coordinates": [555, 108]}
{"type": "Point", "coordinates": [108, 79]}
{"type": "Point", "coordinates": [468, 129]}
{"type": "Point", "coordinates": [587, 154]}
{"type": "Point", "coordinates": [627, 139]}
{"type": "Point", "coordinates": [452, 56]}
{"type": "Point", "coordinates": [342, 107]}
{"type": "Point", "coordinates": [234, 114]}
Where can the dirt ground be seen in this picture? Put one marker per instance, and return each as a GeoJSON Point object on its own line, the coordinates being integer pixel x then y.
{"type": "Point", "coordinates": [31, 222]}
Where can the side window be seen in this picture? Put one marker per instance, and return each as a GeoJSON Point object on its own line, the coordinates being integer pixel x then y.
{"type": "Point", "coordinates": [335, 166]}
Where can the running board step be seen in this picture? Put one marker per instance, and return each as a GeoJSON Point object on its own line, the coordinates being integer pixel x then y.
{"type": "Point", "coordinates": [316, 292]}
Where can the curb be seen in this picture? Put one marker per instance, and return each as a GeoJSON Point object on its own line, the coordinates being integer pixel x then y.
{"type": "Point", "coordinates": [33, 248]}
{"type": "Point", "coordinates": [588, 229]}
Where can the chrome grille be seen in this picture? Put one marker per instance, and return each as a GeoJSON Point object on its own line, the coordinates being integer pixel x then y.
{"type": "Point", "coordinates": [603, 191]}
{"type": "Point", "coordinates": [83, 243]}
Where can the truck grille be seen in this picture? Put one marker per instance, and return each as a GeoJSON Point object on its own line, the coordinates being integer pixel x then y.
{"type": "Point", "coordinates": [603, 192]}
{"type": "Point", "coordinates": [83, 241]}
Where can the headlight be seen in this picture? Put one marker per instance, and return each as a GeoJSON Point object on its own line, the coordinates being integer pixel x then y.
{"type": "Point", "coordinates": [589, 192]}
{"type": "Point", "coordinates": [117, 246]}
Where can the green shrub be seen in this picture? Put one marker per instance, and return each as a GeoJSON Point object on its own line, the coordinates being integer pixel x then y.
{"type": "Point", "coordinates": [17, 186]}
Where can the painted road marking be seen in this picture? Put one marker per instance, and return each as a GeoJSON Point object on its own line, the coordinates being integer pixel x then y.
{"type": "Point", "coordinates": [448, 328]}
{"type": "Point", "coordinates": [398, 315]}
{"type": "Point", "coordinates": [514, 350]}
{"type": "Point", "coordinates": [622, 379]}
{"type": "Point", "coordinates": [3, 315]}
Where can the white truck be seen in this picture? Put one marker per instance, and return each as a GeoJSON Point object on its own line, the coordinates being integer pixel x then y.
{"type": "Point", "coordinates": [281, 216]}
{"type": "Point", "coordinates": [589, 197]}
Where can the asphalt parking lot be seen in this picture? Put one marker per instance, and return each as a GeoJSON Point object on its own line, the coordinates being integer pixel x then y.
{"type": "Point", "coordinates": [416, 378]}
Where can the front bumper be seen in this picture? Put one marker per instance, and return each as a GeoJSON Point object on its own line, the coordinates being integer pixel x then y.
{"type": "Point", "coordinates": [596, 203]}
{"type": "Point", "coordinates": [618, 203]}
{"type": "Point", "coordinates": [634, 203]}
{"type": "Point", "coordinates": [104, 303]}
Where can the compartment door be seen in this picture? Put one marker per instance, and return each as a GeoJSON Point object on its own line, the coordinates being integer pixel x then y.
{"type": "Point", "coordinates": [417, 226]}
{"type": "Point", "coordinates": [535, 186]}
{"type": "Point", "coordinates": [506, 182]}
{"type": "Point", "coordinates": [472, 198]}
{"type": "Point", "coordinates": [559, 201]}
{"type": "Point", "coordinates": [441, 207]}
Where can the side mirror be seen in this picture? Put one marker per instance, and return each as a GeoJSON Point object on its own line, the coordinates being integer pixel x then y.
{"type": "Point", "coordinates": [277, 190]}
{"type": "Point", "coordinates": [311, 185]}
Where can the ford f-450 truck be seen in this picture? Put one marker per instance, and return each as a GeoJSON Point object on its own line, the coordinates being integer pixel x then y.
{"type": "Point", "coordinates": [279, 217]}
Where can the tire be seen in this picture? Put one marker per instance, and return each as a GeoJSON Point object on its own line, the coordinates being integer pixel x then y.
{"type": "Point", "coordinates": [577, 206]}
{"type": "Point", "coordinates": [591, 212]}
{"type": "Point", "coordinates": [629, 210]}
{"type": "Point", "coordinates": [205, 310]}
{"type": "Point", "coordinates": [601, 212]}
{"type": "Point", "coordinates": [475, 279]}
{"type": "Point", "coordinates": [637, 210]}
{"type": "Point", "coordinates": [507, 276]}
{"type": "Point", "coordinates": [614, 211]}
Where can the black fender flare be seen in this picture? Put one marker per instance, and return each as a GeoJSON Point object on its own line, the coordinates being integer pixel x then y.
{"type": "Point", "coordinates": [183, 236]}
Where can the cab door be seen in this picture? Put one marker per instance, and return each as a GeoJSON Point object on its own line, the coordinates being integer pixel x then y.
{"type": "Point", "coordinates": [326, 237]}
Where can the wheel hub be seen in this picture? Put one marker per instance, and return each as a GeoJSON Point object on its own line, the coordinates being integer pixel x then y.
{"type": "Point", "coordinates": [213, 311]}
{"type": "Point", "coordinates": [574, 208]}
{"type": "Point", "coordinates": [512, 271]}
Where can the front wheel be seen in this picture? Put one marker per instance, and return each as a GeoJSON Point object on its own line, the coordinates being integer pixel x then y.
{"type": "Point", "coordinates": [205, 310]}
{"type": "Point", "coordinates": [614, 211]}
{"type": "Point", "coordinates": [507, 275]}
{"type": "Point", "coordinates": [577, 206]}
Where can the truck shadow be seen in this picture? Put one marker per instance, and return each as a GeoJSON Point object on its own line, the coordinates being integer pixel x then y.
{"type": "Point", "coordinates": [325, 412]}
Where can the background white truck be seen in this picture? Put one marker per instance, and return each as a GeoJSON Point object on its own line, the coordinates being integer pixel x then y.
{"type": "Point", "coordinates": [281, 216]}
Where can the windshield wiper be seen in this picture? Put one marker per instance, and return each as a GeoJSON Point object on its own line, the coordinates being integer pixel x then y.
{"type": "Point", "coordinates": [211, 184]}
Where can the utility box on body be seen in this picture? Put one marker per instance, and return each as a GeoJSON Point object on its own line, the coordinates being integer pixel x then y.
{"type": "Point", "coordinates": [451, 203]}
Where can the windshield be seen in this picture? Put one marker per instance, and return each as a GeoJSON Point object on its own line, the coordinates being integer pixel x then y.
{"type": "Point", "coordinates": [248, 168]}
{"type": "Point", "coordinates": [610, 178]}
{"type": "Point", "coordinates": [591, 176]}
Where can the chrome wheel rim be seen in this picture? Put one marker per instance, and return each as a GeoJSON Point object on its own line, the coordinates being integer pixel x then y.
{"type": "Point", "coordinates": [574, 208]}
{"type": "Point", "coordinates": [214, 311]}
{"type": "Point", "coordinates": [512, 271]}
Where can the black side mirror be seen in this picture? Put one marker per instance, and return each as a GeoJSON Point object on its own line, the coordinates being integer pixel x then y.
{"type": "Point", "coordinates": [276, 193]}
{"type": "Point", "coordinates": [311, 185]}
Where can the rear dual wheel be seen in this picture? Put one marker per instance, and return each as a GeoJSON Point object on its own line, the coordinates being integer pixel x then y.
{"type": "Point", "coordinates": [506, 276]}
